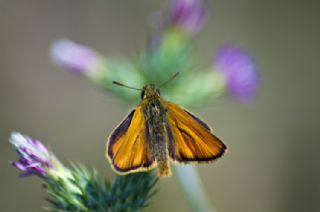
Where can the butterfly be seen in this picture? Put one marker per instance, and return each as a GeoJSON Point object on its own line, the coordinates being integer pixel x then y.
{"type": "Point", "coordinates": [158, 132]}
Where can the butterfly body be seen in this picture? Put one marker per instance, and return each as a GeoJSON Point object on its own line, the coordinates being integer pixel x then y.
{"type": "Point", "coordinates": [158, 132]}
{"type": "Point", "coordinates": [155, 116]}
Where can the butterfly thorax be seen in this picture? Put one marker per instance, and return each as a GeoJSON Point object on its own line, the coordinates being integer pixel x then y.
{"type": "Point", "coordinates": [155, 117]}
{"type": "Point", "coordinates": [154, 111]}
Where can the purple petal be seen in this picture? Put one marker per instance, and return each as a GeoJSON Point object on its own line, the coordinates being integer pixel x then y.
{"type": "Point", "coordinates": [18, 165]}
{"type": "Point", "coordinates": [38, 170]}
{"type": "Point", "coordinates": [25, 150]}
{"type": "Point", "coordinates": [33, 165]}
{"type": "Point", "coordinates": [188, 14]}
{"type": "Point", "coordinates": [36, 158]}
{"type": "Point", "coordinates": [72, 56]}
{"type": "Point", "coordinates": [25, 161]}
{"type": "Point", "coordinates": [239, 70]}
{"type": "Point", "coordinates": [39, 145]}
{"type": "Point", "coordinates": [28, 168]}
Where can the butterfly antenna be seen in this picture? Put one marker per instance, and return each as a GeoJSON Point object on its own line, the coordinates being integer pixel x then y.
{"type": "Point", "coordinates": [123, 85]}
{"type": "Point", "coordinates": [169, 80]}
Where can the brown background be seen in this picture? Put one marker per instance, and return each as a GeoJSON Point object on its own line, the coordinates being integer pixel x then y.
{"type": "Point", "coordinates": [273, 158]}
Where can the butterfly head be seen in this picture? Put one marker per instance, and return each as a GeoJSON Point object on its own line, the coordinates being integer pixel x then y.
{"type": "Point", "coordinates": [150, 91]}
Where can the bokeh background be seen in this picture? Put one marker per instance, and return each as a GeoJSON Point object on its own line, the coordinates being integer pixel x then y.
{"type": "Point", "coordinates": [273, 158]}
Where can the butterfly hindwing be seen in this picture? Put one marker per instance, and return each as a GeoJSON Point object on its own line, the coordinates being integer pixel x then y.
{"type": "Point", "coordinates": [128, 148]}
{"type": "Point", "coordinates": [190, 139]}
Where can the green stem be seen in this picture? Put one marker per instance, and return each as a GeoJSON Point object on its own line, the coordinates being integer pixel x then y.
{"type": "Point", "coordinates": [192, 187]}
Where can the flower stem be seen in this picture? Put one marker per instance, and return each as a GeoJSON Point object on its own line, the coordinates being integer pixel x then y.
{"type": "Point", "coordinates": [192, 187]}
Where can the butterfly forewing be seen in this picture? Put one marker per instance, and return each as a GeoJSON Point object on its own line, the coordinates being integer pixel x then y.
{"type": "Point", "coordinates": [190, 139]}
{"type": "Point", "coordinates": [128, 148]}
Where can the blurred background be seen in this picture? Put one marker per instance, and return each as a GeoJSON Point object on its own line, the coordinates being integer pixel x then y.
{"type": "Point", "coordinates": [273, 160]}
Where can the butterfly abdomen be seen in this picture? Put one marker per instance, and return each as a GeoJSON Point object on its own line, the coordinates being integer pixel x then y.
{"type": "Point", "coordinates": [157, 135]}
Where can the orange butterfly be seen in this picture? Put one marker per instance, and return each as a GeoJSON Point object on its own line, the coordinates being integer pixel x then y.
{"type": "Point", "coordinates": [158, 131]}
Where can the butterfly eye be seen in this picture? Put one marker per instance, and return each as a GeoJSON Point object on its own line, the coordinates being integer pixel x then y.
{"type": "Point", "coordinates": [142, 94]}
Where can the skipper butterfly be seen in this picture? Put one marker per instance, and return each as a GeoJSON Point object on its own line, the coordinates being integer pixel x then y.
{"type": "Point", "coordinates": [158, 132]}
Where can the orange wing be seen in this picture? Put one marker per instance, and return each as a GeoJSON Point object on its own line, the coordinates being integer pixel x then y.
{"type": "Point", "coordinates": [190, 139]}
{"type": "Point", "coordinates": [128, 148]}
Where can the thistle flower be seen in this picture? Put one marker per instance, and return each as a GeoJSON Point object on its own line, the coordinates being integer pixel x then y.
{"type": "Point", "coordinates": [239, 71]}
{"type": "Point", "coordinates": [75, 58]}
{"type": "Point", "coordinates": [190, 15]}
{"type": "Point", "coordinates": [34, 158]}
{"type": "Point", "coordinates": [77, 189]}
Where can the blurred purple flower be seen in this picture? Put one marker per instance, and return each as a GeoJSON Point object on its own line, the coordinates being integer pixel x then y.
{"type": "Point", "coordinates": [188, 14]}
{"type": "Point", "coordinates": [239, 70]}
{"type": "Point", "coordinates": [34, 158]}
{"type": "Point", "coordinates": [73, 57]}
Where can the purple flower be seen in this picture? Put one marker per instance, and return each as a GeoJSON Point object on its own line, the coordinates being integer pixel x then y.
{"type": "Point", "coordinates": [73, 57]}
{"type": "Point", "coordinates": [190, 15]}
{"type": "Point", "coordinates": [34, 158]}
{"type": "Point", "coordinates": [239, 71]}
